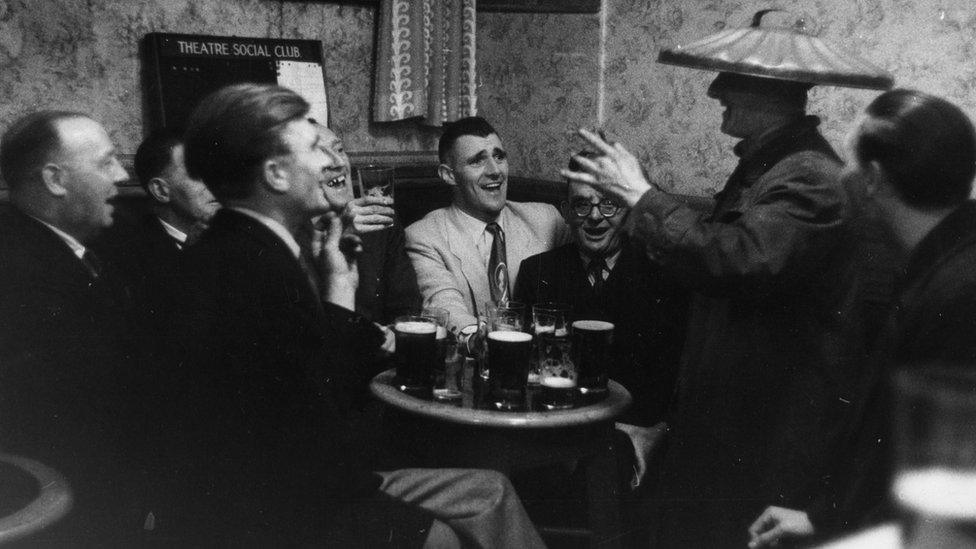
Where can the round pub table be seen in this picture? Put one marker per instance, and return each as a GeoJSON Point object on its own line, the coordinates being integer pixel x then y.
{"type": "Point", "coordinates": [468, 434]}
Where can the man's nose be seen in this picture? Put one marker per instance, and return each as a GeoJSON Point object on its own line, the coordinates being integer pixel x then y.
{"type": "Point", "coordinates": [491, 167]}
{"type": "Point", "coordinates": [716, 88]}
{"type": "Point", "coordinates": [119, 174]}
{"type": "Point", "coordinates": [595, 214]}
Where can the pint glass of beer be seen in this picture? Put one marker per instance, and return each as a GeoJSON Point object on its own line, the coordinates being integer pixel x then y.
{"type": "Point", "coordinates": [592, 342]}
{"type": "Point", "coordinates": [935, 454]}
{"type": "Point", "coordinates": [441, 317]}
{"type": "Point", "coordinates": [508, 368]}
{"type": "Point", "coordinates": [416, 352]}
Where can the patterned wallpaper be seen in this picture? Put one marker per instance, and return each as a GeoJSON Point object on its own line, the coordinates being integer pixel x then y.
{"type": "Point", "coordinates": [538, 73]}
{"type": "Point", "coordinates": [661, 112]}
{"type": "Point", "coordinates": [538, 77]}
{"type": "Point", "coordinates": [84, 56]}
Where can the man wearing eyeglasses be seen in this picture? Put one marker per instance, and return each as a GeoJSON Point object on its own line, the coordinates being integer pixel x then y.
{"type": "Point", "coordinates": [602, 276]}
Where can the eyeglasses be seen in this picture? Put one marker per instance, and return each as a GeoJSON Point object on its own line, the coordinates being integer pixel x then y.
{"type": "Point", "coordinates": [607, 208]}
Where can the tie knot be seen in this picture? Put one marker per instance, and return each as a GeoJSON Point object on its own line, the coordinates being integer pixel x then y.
{"type": "Point", "coordinates": [598, 265]}
{"type": "Point", "coordinates": [493, 228]}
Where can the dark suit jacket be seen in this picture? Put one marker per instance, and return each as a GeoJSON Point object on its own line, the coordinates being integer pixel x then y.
{"type": "Point", "coordinates": [147, 258]}
{"type": "Point", "coordinates": [933, 323]}
{"type": "Point", "coordinates": [649, 313]}
{"type": "Point", "coordinates": [68, 396]}
{"type": "Point", "coordinates": [262, 434]}
{"type": "Point", "coordinates": [387, 281]}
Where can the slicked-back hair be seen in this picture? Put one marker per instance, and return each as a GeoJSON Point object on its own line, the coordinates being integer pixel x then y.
{"type": "Point", "coordinates": [234, 130]}
{"type": "Point", "coordinates": [472, 125]}
{"type": "Point", "coordinates": [926, 145]}
{"type": "Point", "coordinates": [155, 154]}
{"type": "Point", "coordinates": [29, 143]}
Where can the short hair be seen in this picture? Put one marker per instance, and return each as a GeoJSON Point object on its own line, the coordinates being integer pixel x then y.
{"type": "Point", "coordinates": [234, 130]}
{"type": "Point", "coordinates": [926, 145]}
{"type": "Point", "coordinates": [155, 154]}
{"type": "Point", "coordinates": [471, 125]}
{"type": "Point", "coordinates": [29, 143]}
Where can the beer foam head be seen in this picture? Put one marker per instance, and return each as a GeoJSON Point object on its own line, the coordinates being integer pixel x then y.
{"type": "Point", "coordinates": [593, 325]}
{"type": "Point", "coordinates": [558, 382]}
{"type": "Point", "coordinates": [441, 332]}
{"type": "Point", "coordinates": [509, 336]}
{"type": "Point", "coordinates": [415, 327]}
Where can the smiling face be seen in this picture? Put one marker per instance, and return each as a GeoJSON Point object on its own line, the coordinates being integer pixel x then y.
{"type": "Point", "coordinates": [596, 235]}
{"type": "Point", "coordinates": [338, 191]}
{"type": "Point", "coordinates": [309, 168]}
{"type": "Point", "coordinates": [478, 171]}
{"type": "Point", "coordinates": [90, 171]}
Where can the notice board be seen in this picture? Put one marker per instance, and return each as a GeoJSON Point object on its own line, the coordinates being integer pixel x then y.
{"type": "Point", "coordinates": [181, 69]}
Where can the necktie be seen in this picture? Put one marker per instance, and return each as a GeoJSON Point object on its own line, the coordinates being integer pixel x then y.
{"type": "Point", "coordinates": [497, 265]}
{"type": "Point", "coordinates": [595, 270]}
{"type": "Point", "coordinates": [92, 263]}
{"type": "Point", "coordinates": [307, 262]}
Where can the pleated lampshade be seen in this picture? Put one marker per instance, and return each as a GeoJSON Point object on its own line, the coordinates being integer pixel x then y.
{"type": "Point", "coordinates": [785, 51]}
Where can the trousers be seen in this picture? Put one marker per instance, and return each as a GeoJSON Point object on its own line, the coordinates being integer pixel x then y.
{"type": "Point", "coordinates": [471, 507]}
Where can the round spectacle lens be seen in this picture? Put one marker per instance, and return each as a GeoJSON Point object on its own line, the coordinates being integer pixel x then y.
{"type": "Point", "coordinates": [607, 208]}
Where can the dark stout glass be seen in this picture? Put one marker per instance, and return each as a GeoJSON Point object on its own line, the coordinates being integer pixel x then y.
{"type": "Point", "coordinates": [416, 351]}
{"type": "Point", "coordinates": [592, 342]}
{"type": "Point", "coordinates": [508, 368]}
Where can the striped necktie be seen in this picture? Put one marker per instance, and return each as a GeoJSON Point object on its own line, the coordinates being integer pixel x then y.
{"type": "Point", "coordinates": [497, 265]}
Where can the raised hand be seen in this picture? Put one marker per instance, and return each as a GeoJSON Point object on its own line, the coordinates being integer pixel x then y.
{"type": "Point", "coordinates": [368, 213]}
{"type": "Point", "coordinates": [337, 250]}
{"type": "Point", "coordinates": [615, 171]}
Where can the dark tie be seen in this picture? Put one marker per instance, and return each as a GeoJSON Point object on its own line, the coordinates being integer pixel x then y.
{"type": "Point", "coordinates": [497, 265]}
{"type": "Point", "coordinates": [92, 263]}
{"type": "Point", "coordinates": [307, 263]}
{"type": "Point", "coordinates": [595, 270]}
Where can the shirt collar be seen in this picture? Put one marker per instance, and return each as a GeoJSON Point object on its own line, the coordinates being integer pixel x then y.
{"type": "Point", "coordinates": [178, 235]}
{"type": "Point", "coordinates": [474, 226]}
{"type": "Point", "coordinates": [273, 226]}
{"type": "Point", "coordinates": [77, 248]}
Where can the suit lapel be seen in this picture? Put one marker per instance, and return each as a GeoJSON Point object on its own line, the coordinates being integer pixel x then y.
{"type": "Point", "coordinates": [472, 266]}
{"type": "Point", "coordinates": [270, 248]}
{"type": "Point", "coordinates": [51, 251]}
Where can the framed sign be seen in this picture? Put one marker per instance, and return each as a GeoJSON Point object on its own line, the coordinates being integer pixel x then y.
{"type": "Point", "coordinates": [180, 69]}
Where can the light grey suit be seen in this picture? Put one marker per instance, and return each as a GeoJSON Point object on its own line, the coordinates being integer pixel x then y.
{"type": "Point", "coordinates": [450, 271]}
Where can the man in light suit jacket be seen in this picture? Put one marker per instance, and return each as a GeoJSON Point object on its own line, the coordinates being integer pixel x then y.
{"type": "Point", "coordinates": [452, 248]}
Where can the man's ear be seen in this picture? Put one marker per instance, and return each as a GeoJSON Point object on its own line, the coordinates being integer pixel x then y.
{"type": "Point", "coordinates": [876, 181]}
{"type": "Point", "coordinates": [53, 177]}
{"type": "Point", "coordinates": [275, 175]}
{"type": "Point", "coordinates": [446, 174]}
{"type": "Point", "coordinates": [158, 189]}
{"type": "Point", "coordinates": [564, 210]}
